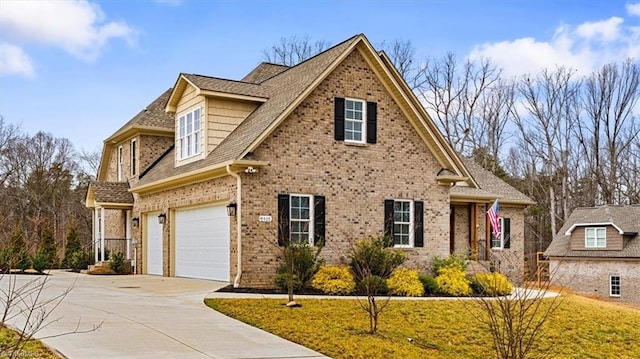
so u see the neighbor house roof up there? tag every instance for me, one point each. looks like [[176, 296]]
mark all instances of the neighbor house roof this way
[[625, 218], [263, 72], [491, 187], [108, 194]]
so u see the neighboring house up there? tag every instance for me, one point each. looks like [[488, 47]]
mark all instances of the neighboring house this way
[[212, 177], [597, 252]]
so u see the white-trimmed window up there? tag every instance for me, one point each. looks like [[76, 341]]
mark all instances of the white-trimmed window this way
[[189, 134], [354, 121], [403, 223], [134, 161], [595, 237], [301, 218], [120, 163], [498, 242], [615, 285]]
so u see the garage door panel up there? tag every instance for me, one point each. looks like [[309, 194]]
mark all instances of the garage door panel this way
[[202, 243], [154, 245]]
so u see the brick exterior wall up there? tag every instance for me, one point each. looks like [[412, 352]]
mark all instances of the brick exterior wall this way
[[462, 220], [591, 277], [151, 148], [511, 261], [304, 158]]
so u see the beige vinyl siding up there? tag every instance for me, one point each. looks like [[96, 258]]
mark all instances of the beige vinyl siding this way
[[614, 239], [223, 116]]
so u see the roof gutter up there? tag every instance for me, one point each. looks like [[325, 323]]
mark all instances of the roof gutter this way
[[236, 282]]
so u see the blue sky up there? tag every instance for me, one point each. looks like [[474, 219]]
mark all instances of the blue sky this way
[[88, 69]]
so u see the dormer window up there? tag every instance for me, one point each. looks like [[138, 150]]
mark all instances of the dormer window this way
[[595, 237], [189, 134]]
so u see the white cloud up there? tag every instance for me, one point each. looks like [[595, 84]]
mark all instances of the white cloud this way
[[584, 48], [78, 27], [14, 61], [633, 9]]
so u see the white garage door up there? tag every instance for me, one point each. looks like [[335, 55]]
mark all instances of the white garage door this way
[[202, 243], [154, 245]]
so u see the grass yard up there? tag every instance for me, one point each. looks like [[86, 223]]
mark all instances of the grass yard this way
[[579, 328], [32, 349]]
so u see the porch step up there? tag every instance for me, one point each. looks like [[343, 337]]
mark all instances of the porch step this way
[[475, 267], [99, 268]]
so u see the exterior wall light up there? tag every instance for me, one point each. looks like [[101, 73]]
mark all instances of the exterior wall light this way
[[231, 209], [162, 218], [135, 222]]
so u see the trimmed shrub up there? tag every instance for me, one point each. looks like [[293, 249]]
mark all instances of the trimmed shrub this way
[[492, 284], [334, 280], [452, 281], [117, 262], [429, 284], [374, 257], [300, 263], [457, 260], [24, 262], [405, 281], [40, 261], [373, 285], [80, 260]]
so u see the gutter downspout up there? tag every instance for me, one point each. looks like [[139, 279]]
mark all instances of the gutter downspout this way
[[236, 282]]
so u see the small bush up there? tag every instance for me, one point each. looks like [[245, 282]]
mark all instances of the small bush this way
[[492, 284], [373, 285], [457, 260], [334, 280], [40, 261], [5, 260], [80, 260], [282, 281], [374, 257], [300, 263], [452, 281], [429, 284], [117, 262], [405, 281], [24, 262]]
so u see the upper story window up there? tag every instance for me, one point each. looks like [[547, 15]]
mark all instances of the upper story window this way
[[354, 127], [189, 134], [134, 162], [120, 163], [595, 237]]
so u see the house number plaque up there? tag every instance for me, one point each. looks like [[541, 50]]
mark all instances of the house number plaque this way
[[265, 218]]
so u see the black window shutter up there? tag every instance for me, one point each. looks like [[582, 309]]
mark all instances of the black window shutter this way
[[283, 219], [507, 232], [339, 119], [318, 221], [372, 120], [388, 220], [418, 219]]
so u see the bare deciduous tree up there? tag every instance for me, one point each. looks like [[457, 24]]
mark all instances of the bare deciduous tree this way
[[293, 50]]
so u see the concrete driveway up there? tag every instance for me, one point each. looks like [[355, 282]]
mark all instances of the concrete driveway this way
[[150, 317]]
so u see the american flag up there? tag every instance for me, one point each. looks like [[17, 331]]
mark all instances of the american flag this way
[[494, 219]]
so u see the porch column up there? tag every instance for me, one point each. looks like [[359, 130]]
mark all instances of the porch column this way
[[102, 226], [127, 227], [96, 232]]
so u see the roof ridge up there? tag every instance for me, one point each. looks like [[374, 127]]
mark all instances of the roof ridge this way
[[222, 79]]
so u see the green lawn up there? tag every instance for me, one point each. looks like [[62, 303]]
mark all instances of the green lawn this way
[[32, 349], [580, 327]]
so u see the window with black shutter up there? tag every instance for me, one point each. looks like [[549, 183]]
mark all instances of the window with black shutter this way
[[404, 222], [301, 219], [355, 120]]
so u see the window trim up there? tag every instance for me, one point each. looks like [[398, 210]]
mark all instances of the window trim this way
[[120, 162], [618, 285], [134, 163], [363, 121], [411, 223], [311, 219], [501, 220], [595, 243], [191, 140]]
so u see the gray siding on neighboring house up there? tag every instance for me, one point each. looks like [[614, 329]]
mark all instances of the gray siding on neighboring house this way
[[614, 239]]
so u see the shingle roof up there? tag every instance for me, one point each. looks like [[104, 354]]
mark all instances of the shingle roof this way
[[227, 86], [490, 185], [153, 115], [626, 218], [111, 192], [263, 72], [282, 90]]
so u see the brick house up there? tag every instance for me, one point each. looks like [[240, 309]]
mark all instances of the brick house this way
[[333, 149], [597, 252]]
